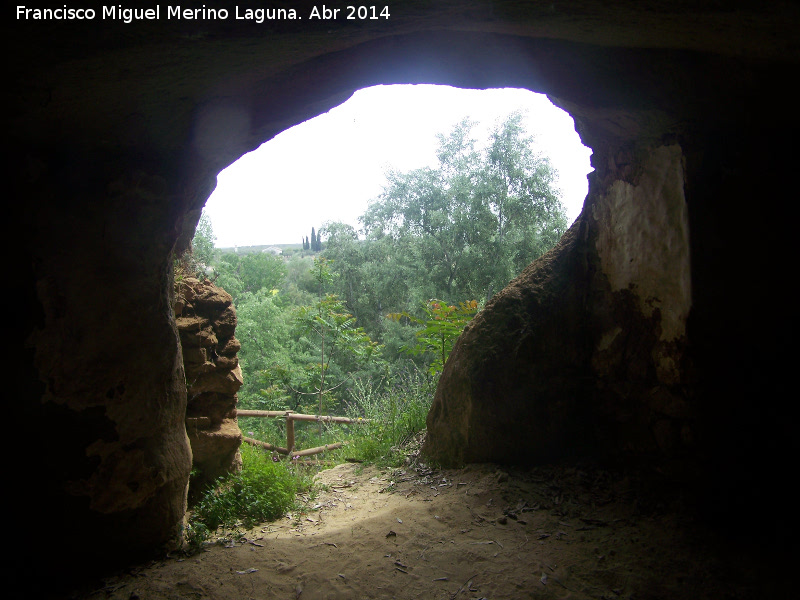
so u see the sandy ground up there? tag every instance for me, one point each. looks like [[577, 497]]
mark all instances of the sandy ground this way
[[481, 532]]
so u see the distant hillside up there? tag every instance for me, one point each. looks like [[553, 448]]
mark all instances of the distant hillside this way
[[261, 248]]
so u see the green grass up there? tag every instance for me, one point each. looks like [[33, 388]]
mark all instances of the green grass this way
[[264, 490], [395, 415]]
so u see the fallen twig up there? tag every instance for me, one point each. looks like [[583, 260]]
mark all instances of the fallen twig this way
[[467, 584]]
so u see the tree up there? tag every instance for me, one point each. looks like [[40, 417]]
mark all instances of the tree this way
[[468, 226], [203, 241], [263, 329], [442, 324], [241, 274], [372, 276], [330, 344], [345, 259], [517, 186], [318, 243]]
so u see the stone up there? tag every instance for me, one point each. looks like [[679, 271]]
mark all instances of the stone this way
[[206, 338], [225, 323], [230, 347], [212, 379], [193, 324], [519, 401], [228, 363], [215, 451], [214, 406], [193, 356], [209, 297], [227, 383]]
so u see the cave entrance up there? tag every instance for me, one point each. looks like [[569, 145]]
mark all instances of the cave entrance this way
[[329, 167], [316, 181]]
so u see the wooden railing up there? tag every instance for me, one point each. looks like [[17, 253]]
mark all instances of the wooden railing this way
[[291, 417]]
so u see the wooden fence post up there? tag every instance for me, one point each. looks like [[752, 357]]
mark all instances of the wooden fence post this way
[[289, 433]]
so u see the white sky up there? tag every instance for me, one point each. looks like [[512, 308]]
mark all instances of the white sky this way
[[330, 167]]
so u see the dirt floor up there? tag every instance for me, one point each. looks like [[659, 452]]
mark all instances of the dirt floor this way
[[480, 532]]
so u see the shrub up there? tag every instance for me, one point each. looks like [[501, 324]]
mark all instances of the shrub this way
[[264, 490]]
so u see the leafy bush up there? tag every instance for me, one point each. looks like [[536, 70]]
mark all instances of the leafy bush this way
[[442, 325], [264, 490]]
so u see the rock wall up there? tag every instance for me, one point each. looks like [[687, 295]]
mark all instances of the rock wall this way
[[620, 343], [206, 320], [641, 239], [511, 390], [593, 369]]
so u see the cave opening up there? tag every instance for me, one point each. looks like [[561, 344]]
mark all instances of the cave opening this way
[[327, 171], [335, 163]]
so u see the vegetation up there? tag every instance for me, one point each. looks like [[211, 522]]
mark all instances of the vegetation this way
[[362, 324], [442, 326], [195, 261], [262, 491], [457, 232], [396, 413]]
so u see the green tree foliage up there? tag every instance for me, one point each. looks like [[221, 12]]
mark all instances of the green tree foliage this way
[[466, 228], [329, 332], [263, 330], [315, 245], [203, 241], [442, 324], [517, 186], [331, 335], [247, 274], [313, 326]]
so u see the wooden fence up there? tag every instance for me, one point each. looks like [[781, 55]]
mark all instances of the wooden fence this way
[[291, 417]]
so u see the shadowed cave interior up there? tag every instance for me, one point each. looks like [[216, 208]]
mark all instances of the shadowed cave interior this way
[[654, 335]]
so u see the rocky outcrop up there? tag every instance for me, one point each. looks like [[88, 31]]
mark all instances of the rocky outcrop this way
[[511, 388], [584, 353], [206, 320]]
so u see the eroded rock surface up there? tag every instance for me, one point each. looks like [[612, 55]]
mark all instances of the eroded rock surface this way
[[596, 362], [206, 320]]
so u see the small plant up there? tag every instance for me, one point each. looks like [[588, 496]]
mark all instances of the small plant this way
[[442, 324], [264, 490], [195, 536]]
